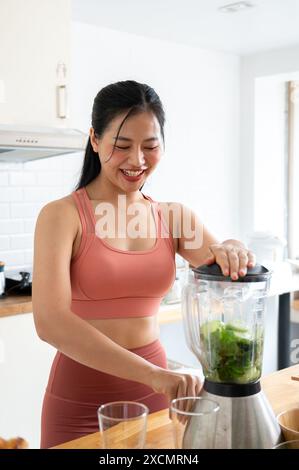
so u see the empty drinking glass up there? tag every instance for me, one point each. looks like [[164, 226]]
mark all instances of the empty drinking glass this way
[[123, 424], [194, 422]]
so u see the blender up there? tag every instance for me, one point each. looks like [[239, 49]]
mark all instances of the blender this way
[[224, 327]]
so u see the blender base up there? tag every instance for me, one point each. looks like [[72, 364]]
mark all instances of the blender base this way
[[244, 422]]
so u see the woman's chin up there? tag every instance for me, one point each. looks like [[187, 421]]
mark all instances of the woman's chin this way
[[131, 185]]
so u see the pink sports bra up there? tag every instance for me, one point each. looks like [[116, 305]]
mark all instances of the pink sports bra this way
[[108, 282]]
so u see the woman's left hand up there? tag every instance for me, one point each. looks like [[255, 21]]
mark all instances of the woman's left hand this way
[[232, 256]]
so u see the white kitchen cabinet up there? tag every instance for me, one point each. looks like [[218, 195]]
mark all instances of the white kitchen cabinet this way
[[25, 363], [34, 39]]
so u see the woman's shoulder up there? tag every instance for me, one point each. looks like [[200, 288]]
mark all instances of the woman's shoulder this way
[[60, 210]]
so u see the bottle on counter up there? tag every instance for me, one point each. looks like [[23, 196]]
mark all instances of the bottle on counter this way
[[2, 279]]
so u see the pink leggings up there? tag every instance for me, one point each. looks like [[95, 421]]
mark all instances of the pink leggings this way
[[75, 392]]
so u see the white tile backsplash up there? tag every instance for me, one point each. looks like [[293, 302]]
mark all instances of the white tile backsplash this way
[[4, 211], [10, 226], [70, 179], [25, 209], [18, 242], [55, 163], [11, 166], [3, 179], [74, 160], [29, 225], [13, 258], [4, 243], [36, 165], [10, 194], [43, 178], [24, 189], [28, 257], [22, 178], [36, 194]]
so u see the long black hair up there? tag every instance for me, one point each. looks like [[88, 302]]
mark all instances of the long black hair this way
[[110, 102]]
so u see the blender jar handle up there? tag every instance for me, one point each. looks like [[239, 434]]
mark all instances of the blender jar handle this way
[[190, 312]]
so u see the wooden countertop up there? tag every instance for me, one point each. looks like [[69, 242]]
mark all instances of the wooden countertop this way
[[17, 304], [280, 389]]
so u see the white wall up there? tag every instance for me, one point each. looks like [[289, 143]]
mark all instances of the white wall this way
[[270, 129], [276, 66], [295, 241]]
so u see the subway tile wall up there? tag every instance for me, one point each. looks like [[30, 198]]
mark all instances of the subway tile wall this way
[[24, 189]]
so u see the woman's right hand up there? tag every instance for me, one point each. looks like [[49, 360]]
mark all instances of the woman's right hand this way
[[174, 384]]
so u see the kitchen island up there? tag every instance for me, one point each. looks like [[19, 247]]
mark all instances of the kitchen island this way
[[281, 389]]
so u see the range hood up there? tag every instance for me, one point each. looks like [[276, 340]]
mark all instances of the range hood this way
[[24, 143]]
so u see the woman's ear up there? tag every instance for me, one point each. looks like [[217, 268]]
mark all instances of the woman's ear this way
[[93, 140]]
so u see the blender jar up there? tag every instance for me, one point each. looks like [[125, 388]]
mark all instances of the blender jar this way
[[224, 322]]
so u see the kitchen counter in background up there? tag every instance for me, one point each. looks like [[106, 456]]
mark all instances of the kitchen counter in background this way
[[15, 305], [281, 391]]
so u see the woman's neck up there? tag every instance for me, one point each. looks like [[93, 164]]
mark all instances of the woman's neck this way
[[102, 190]]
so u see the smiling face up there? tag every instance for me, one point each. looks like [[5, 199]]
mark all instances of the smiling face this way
[[127, 160]]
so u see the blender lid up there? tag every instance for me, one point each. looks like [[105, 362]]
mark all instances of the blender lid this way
[[213, 272]]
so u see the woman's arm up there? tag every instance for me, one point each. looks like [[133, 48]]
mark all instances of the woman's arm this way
[[55, 323], [198, 246]]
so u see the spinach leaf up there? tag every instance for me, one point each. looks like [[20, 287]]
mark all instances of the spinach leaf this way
[[231, 355]]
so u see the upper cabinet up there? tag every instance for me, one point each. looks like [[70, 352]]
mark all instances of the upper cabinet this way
[[34, 62]]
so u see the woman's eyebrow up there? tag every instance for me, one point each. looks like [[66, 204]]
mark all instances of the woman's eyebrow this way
[[130, 140]]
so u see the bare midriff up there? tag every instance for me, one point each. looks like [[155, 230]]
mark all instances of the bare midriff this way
[[129, 332], [133, 332]]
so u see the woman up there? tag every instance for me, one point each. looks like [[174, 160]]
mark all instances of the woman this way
[[97, 303]]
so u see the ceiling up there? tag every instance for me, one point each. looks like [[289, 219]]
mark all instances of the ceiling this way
[[271, 24]]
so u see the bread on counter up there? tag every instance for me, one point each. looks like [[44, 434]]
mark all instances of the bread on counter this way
[[14, 443]]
